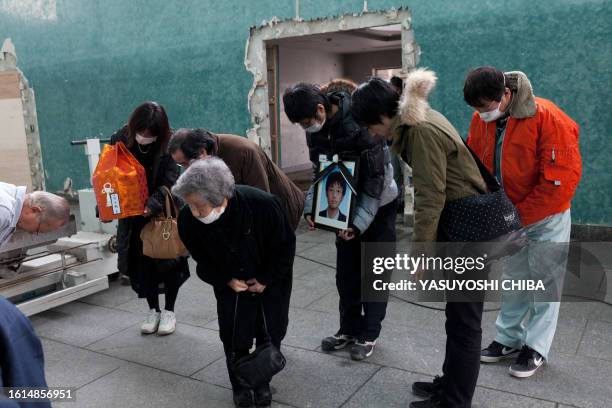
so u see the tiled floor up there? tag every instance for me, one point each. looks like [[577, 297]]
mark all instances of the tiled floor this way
[[95, 345]]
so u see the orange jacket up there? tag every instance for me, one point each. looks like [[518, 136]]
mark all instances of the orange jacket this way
[[540, 163]]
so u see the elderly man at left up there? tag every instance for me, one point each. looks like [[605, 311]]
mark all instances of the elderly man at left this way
[[21, 353], [34, 212]]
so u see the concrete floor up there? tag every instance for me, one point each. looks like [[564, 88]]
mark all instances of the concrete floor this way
[[95, 345]]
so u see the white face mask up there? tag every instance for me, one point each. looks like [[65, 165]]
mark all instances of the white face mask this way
[[495, 114], [212, 216], [145, 140], [490, 116], [315, 128]]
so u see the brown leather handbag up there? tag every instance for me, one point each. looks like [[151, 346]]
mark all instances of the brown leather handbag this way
[[160, 238]]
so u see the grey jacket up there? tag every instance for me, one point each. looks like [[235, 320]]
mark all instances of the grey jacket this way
[[343, 136]]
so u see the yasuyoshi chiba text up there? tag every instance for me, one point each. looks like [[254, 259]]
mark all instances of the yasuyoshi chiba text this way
[[469, 285]]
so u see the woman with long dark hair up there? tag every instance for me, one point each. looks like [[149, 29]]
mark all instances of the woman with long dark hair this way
[[146, 135]]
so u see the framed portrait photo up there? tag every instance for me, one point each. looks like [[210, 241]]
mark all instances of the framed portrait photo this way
[[335, 194]]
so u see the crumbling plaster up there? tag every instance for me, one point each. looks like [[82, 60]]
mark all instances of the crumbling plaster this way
[[8, 62], [255, 54]]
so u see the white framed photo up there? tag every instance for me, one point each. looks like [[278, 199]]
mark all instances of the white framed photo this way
[[334, 196]]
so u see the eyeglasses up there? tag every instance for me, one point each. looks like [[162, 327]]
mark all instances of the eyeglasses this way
[[187, 164]]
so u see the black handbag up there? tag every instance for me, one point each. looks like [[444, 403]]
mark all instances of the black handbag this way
[[257, 368], [488, 217]]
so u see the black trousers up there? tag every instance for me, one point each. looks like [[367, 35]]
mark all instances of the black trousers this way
[[171, 293], [362, 319], [249, 323], [462, 359], [463, 329]]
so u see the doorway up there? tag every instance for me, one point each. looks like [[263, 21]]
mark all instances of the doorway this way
[[280, 54], [355, 55]]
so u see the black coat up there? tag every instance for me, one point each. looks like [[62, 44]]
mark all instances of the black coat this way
[[341, 217], [147, 274], [253, 238], [343, 136]]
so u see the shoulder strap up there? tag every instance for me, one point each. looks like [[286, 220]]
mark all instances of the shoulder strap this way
[[234, 327], [492, 183], [265, 323], [171, 209], [263, 313]]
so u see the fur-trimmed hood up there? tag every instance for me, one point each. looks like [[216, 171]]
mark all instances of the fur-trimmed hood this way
[[339, 85], [413, 104], [523, 101]]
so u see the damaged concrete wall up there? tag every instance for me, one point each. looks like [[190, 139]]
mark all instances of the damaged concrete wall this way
[[91, 62], [20, 152], [359, 66], [255, 55]]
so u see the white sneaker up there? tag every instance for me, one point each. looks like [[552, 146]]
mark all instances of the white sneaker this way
[[151, 322], [167, 324]]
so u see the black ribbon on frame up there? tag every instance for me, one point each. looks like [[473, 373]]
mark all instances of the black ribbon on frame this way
[[346, 174]]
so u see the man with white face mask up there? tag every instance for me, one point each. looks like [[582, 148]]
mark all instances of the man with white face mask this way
[[531, 146], [244, 245], [324, 113]]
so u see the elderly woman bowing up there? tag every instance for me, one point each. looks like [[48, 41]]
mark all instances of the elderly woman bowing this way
[[244, 247]]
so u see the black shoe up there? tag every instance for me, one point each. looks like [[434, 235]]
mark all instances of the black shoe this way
[[243, 398], [336, 342], [263, 396], [362, 350], [427, 389], [497, 352], [527, 363], [433, 402]]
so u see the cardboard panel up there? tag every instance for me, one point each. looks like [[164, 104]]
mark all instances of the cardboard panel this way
[[9, 85], [14, 160]]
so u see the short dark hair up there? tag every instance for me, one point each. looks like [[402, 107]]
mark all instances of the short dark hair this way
[[191, 142], [335, 178], [482, 85], [301, 101], [372, 99], [397, 82], [149, 116]]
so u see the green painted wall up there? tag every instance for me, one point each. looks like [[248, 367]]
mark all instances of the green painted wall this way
[[90, 62]]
